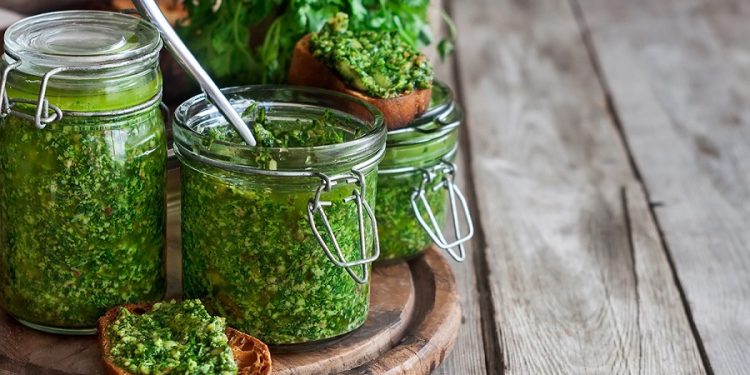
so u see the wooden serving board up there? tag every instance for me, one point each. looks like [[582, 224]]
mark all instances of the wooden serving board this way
[[413, 324]]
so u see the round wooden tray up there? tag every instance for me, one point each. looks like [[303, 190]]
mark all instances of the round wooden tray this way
[[413, 324]]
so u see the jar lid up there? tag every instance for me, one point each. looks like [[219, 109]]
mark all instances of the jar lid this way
[[442, 116], [197, 117], [81, 41]]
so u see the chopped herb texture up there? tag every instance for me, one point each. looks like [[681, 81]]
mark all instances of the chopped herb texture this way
[[401, 235], [317, 131], [424, 148], [379, 64], [81, 216], [82, 190], [171, 338], [249, 252]]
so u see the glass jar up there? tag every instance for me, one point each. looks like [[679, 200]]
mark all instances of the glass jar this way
[[416, 184], [280, 240], [82, 168]]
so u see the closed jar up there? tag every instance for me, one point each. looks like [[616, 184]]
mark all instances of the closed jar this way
[[279, 238], [416, 189], [82, 169]]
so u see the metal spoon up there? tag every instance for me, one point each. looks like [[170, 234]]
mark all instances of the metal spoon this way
[[150, 11]]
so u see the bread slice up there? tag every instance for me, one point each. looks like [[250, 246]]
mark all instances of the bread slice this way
[[251, 355], [173, 10], [306, 70]]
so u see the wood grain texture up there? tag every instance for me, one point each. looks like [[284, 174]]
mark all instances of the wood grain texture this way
[[429, 341], [679, 76], [392, 311], [468, 355], [664, 335], [553, 179]]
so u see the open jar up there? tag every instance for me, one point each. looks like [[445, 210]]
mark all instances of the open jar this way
[[416, 188], [82, 168], [279, 238]]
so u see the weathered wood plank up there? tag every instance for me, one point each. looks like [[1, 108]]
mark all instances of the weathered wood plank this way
[[468, 356], [428, 341], [664, 335], [576, 286], [679, 75]]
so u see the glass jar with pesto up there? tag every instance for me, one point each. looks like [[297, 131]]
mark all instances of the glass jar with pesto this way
[[82, 168], [416, 184], [279, 238]]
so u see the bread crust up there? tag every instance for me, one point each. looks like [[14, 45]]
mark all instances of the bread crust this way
[[173, 10], [251, 355], [306, 70]]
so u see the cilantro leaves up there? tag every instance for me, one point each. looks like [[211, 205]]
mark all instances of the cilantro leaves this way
[[251, 41]]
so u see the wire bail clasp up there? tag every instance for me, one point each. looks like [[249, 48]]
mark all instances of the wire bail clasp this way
[[5, 106], [316, 206], [456, 248], [42, 104], [42, 117]]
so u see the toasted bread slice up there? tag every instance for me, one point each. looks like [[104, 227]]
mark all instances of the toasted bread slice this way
[[251, 355], [306, 70], [173, 10]]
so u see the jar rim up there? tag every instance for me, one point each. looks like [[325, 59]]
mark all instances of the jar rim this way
[[81, 41], [442, 116], [442, 97], [236, 156]]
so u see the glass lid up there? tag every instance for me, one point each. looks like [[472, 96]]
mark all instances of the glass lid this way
[[81, 40]]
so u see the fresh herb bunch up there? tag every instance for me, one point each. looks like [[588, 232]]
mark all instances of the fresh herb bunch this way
[[220, 32]]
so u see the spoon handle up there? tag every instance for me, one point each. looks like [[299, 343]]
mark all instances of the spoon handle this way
[[150, 11]]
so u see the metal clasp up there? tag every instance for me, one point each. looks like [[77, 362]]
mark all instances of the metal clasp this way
[[5, 106], [456, 248], [43, 116], [315, 206]]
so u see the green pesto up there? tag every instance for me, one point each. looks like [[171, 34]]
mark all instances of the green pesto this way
[[378, 63], [401, 235], [81, 216], [250, 254], [325, 130], [172, 338], [123, 92]]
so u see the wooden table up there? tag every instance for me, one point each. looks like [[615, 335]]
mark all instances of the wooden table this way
[[606, 151]]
